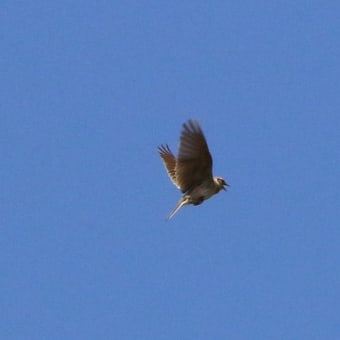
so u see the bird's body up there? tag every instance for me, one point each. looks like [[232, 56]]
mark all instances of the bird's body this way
[[191, 171]]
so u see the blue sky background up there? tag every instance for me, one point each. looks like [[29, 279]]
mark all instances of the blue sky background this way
[[88, 92]]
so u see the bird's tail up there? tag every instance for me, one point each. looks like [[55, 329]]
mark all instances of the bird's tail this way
[[181, 202]]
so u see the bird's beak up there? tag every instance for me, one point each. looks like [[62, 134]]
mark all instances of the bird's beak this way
[[224, 186]]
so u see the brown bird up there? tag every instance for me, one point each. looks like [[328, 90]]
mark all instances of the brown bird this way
[[191, 171]]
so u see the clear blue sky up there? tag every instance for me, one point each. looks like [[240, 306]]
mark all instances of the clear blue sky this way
[[89, 90]]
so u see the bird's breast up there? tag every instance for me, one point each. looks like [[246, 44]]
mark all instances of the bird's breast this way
[[204, 190]]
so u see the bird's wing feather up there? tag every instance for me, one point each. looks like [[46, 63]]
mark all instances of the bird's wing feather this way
[[169, 161], [194, 162]]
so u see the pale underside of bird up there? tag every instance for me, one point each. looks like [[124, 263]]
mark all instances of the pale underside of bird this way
[[191, 171]]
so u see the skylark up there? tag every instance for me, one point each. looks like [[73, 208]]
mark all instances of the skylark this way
[[191, 171]]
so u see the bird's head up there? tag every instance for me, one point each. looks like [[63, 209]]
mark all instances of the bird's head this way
[[222, 184]]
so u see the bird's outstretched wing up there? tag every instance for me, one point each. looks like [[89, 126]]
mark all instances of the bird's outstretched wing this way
[[169, 161], [194, 162]]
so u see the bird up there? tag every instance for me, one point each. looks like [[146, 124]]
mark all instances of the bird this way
[[191, 171]]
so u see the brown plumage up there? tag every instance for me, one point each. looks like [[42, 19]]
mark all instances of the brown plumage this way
[[191, 171]]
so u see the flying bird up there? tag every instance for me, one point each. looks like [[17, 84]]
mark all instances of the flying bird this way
[[191, 171]]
